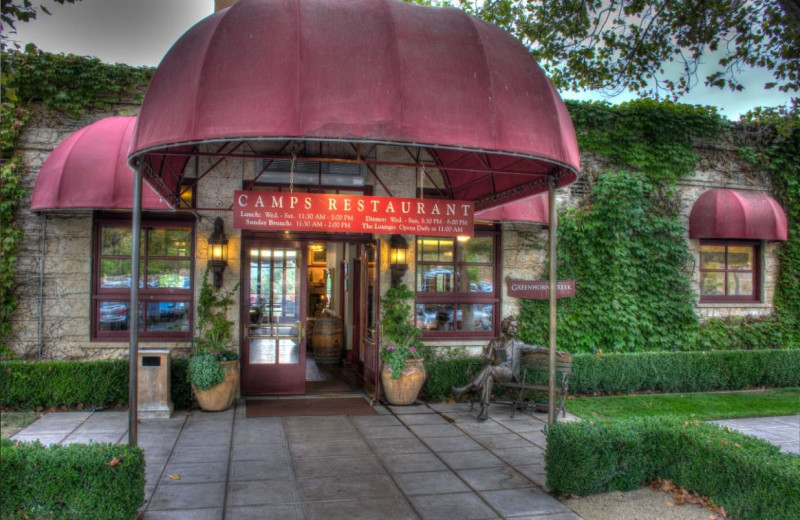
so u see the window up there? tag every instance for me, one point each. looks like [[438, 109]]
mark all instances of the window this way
[[165, 280], [456, 283], [729, 271]]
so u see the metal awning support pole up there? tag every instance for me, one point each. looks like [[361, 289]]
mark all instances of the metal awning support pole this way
[[551, 384], [133, 322]]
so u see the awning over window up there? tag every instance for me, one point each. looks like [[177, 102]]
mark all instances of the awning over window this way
[[87, 170], [731, 214], [533, 209]]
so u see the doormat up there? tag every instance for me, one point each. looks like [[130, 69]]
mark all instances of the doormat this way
[[311, 407], [321, 387]]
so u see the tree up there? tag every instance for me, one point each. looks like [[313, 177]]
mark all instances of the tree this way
[[652, 47]]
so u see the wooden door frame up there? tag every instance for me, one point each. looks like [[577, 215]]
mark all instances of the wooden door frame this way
[[244, 306]]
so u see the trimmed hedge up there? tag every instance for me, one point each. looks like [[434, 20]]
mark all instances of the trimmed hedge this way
[[674, 372], [650, 371], [747, 476], [77, 481], [26, 385]]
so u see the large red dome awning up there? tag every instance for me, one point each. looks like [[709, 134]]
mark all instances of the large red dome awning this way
[[362, 71], [730, 214], [87, 170]]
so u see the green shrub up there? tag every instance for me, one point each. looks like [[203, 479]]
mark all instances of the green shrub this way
[[649, 371], [747, 334], [747, 476], [684, 371], [445, 373], [181, 387], [77, 481], [205, 371], [26, 385]]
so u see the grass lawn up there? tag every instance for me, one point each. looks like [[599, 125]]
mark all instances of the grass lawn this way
[[701, 406], [12, 422]]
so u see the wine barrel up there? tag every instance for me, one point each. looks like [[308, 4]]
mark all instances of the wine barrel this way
[[327, 341]]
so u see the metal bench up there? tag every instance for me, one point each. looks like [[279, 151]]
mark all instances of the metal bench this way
[[532, 366]]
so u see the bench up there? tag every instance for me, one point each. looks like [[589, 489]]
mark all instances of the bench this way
[[532, 367]]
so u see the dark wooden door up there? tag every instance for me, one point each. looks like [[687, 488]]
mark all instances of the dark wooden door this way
[[273, 318]]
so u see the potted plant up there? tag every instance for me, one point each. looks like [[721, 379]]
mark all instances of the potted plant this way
[[403, 370], [214, 367]]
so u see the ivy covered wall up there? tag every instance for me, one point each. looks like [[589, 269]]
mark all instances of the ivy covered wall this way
[[624, 241], [627, 248]]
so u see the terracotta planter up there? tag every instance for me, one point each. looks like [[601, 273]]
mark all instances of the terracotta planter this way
[[405, 389], [220, 397]]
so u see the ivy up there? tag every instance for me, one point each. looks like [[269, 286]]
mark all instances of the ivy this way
[[69, 84], [632, 289], [654, 137]]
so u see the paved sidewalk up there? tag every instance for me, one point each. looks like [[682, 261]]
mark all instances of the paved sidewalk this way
[[430, 462], [782, 431]]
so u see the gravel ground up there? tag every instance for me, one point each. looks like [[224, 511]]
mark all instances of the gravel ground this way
[[642, 504]]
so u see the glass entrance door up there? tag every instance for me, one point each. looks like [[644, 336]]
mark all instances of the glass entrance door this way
[[273, 346]]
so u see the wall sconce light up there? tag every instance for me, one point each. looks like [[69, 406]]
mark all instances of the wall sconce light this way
[[218, 252], [398, 249]]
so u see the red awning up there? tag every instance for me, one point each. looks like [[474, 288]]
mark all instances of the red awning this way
[[731, 214], [533, 209], [363, 71], [87, 170]]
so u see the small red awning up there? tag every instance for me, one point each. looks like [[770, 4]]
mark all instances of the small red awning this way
[[533, 209], [87, 170], [731, 214]]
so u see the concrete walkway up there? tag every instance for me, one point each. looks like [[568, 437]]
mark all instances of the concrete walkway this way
[[430, 462], [781, 431]]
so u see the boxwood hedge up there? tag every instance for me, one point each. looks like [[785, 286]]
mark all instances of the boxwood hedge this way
[[747, 476], [76, 481], [651, 371], [26, 385]]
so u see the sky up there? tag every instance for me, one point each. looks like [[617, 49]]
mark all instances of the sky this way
[[140, 32]]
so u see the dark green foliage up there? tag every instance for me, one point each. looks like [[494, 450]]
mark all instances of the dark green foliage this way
[[684, 371], [181, 388], [783, 163], [77, 481], [443, 374], [632, 290], [653, 137], [648, 371], [747, 334], [26, 385], [747, 476]]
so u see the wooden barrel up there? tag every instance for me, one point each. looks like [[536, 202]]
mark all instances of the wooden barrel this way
[[327, 341]]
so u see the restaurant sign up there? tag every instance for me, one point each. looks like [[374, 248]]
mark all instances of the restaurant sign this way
[[540, 289], [283, 211]]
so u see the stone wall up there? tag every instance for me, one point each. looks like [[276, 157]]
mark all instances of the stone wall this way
[[54, 268]]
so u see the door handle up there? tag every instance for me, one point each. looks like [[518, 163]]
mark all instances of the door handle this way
[[301, 332]]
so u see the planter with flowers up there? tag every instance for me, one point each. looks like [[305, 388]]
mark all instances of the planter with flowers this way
[[403, 370], [214, 367]]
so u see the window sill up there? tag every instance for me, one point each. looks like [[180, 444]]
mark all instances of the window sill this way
[[724, 305]]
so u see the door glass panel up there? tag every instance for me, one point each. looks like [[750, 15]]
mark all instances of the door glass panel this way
[[712, 257], [274, 300]]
